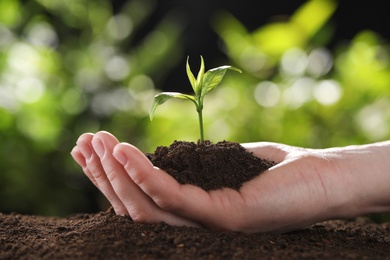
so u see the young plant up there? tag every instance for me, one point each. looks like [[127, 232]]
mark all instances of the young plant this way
[[202, 84]]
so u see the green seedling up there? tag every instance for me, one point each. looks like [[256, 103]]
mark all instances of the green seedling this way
[[202, 84]]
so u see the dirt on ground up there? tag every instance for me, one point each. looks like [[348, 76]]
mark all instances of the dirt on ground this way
[[107, 236]]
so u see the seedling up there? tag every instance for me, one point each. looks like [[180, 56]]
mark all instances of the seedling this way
[[202, 85]]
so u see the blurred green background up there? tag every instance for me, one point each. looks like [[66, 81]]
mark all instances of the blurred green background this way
[[69, 67]]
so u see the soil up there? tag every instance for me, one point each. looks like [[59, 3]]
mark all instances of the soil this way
[[105, 235], [207, 165]]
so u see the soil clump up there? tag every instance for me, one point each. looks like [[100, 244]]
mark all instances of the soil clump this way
[[208, 165]]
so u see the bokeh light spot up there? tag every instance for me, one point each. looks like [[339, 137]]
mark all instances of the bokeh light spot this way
[[29, 90], [320, 62], [299, 92], [117, 68], [294, 62], [327, 92], [42, 34], [267, 94], [119, 26]]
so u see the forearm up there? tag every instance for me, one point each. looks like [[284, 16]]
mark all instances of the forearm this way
[[364, 178]]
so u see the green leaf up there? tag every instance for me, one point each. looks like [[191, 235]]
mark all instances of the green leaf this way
[[165, 96], [213, 77], [190, 75], [199, 78]]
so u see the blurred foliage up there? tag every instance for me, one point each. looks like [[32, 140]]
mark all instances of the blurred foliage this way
[[293, 91], [68, 67]]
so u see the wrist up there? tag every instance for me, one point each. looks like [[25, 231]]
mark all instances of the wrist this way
[[361, 179]]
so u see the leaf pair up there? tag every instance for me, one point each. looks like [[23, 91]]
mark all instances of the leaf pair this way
[[196, 83], [202, 84]]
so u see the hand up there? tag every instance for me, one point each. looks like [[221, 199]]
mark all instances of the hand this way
[[306, 186], [287, 196], [94, 153]]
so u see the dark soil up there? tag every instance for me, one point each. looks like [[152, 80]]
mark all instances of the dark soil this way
[[108, 236], [207, 165]]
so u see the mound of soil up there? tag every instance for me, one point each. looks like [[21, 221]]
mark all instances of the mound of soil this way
[[207, 165], [108, 236]]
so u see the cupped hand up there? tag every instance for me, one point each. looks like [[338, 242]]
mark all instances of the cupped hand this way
[[288, 196]]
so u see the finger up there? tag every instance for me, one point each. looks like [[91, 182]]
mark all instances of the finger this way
[[79, 158], [95, 172], [138, 204], [80, 155], [188, 201]]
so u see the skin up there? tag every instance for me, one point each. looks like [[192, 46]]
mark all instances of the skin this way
[[305, 187]]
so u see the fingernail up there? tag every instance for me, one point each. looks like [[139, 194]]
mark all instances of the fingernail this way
[[120, 157], [86, 151], [98, 147]]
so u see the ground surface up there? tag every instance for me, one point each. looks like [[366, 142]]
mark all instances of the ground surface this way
[[107, 236]]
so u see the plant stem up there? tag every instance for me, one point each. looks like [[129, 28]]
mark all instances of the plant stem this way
[[201, 125], [199, 108]]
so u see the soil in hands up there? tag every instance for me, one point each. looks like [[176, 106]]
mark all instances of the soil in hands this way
[[208, 165]]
